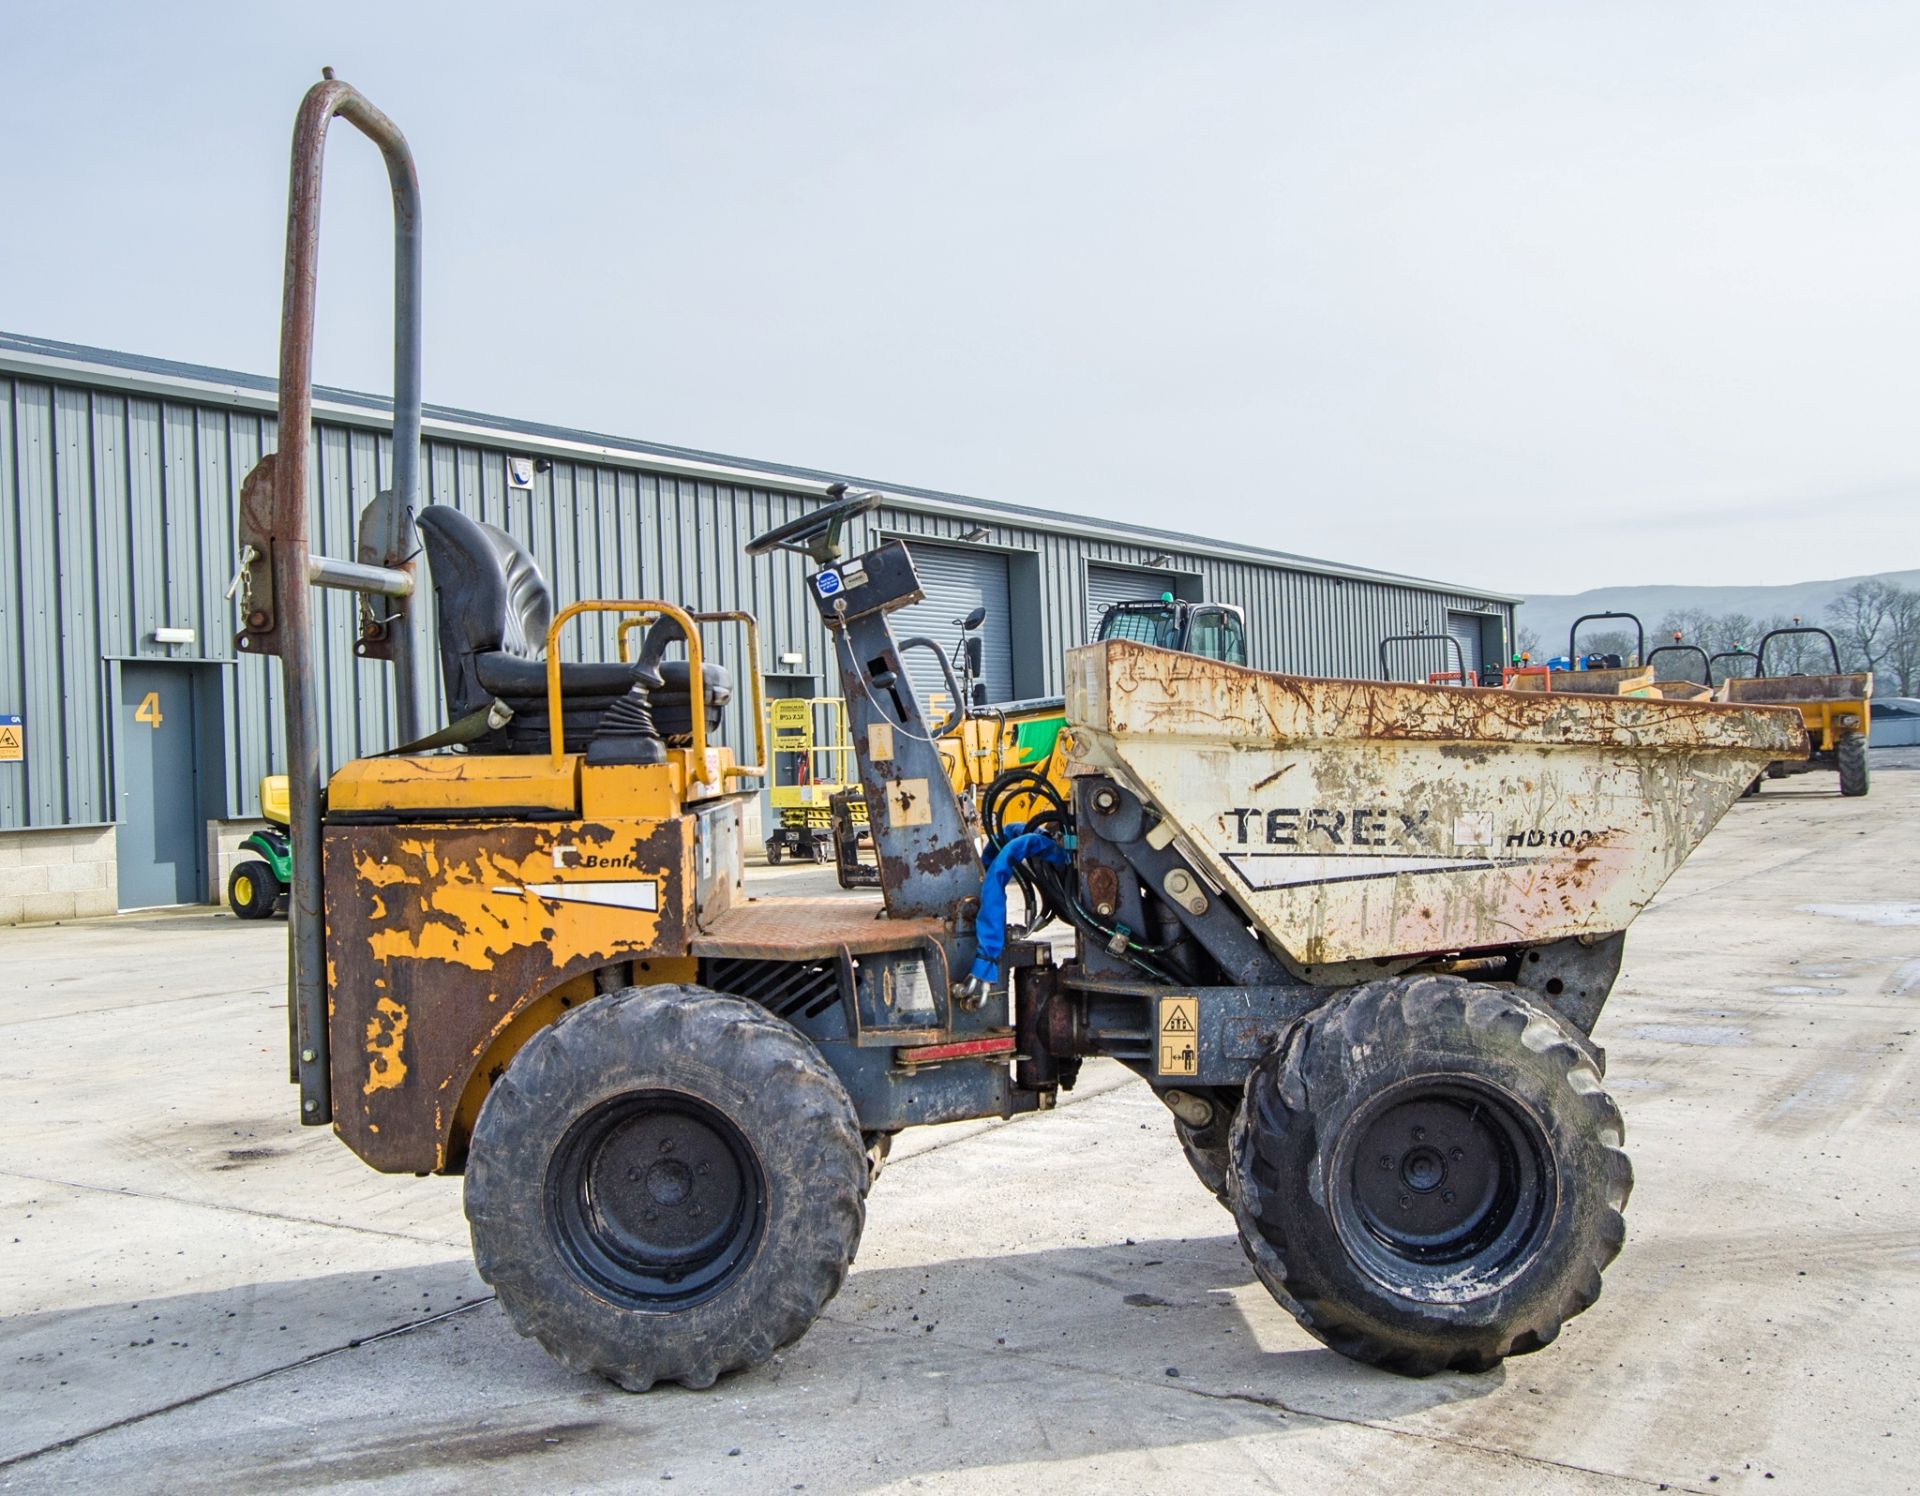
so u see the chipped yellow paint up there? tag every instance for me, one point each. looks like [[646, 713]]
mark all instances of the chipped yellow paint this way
[[472, 911], [481, 931], [386, 1041], [377, 874]]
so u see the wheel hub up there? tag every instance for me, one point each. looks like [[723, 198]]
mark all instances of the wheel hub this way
[[657, 1198], [1422, 1170], [1444, 1184]]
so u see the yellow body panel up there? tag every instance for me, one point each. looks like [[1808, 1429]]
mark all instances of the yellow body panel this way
[[1831, 706], [1828, 721], [620, 790], [463, 785], [439, 935], [462, 782]]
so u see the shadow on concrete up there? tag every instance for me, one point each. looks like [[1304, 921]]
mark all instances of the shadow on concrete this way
[[965, 1364]]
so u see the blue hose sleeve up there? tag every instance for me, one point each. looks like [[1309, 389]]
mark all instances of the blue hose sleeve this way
[[990, 927]]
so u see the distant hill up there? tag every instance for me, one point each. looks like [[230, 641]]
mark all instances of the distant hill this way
[[1550, 615]]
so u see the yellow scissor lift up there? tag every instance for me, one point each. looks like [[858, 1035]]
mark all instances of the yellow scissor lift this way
[[812, 762]]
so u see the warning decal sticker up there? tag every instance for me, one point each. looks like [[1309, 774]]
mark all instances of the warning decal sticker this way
[[1179, 1036], [12, 740]]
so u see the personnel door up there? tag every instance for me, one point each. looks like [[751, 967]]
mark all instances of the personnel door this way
[[162, 835]]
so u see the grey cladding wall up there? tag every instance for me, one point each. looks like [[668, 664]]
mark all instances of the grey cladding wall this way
[[117, 517]]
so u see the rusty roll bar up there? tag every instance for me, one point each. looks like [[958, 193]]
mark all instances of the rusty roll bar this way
[[295, 569]]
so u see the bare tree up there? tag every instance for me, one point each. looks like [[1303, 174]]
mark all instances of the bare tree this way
[[1690, 626], [1864, 623], [1903, 650], [1609, 642], [1875, 626], [1527, 642]]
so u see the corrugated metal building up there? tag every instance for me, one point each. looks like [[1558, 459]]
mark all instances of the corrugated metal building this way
[[119, 480]]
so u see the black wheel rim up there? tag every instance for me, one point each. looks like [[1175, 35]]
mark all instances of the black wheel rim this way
[[656, 1199], [1443, 1187]]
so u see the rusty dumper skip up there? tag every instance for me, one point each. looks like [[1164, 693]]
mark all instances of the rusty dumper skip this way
[[1355, 936]]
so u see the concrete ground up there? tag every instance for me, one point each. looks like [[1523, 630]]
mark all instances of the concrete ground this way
[[196, 1293]]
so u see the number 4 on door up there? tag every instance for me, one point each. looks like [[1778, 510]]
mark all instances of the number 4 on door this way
[[149, 710]]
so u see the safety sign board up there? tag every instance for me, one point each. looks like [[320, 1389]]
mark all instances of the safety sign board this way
[[13, 740], [1179, 1036]]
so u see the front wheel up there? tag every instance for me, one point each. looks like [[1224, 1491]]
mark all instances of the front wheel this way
[[666, 1185], [252, 890], [1851, 751], [1428, 1175]]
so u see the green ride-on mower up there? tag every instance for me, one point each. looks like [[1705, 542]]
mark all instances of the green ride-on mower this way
[[257, 888]]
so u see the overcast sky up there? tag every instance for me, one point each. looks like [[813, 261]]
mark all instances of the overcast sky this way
[[1537, 298]]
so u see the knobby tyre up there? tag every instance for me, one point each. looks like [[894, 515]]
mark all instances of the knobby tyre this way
[[668, 1184], [1428, 1174], [1851, 751]]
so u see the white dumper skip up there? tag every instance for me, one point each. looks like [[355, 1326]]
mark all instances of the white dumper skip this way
[[1360, 821]]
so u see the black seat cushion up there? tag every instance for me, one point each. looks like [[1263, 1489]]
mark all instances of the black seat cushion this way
[[494, 608]]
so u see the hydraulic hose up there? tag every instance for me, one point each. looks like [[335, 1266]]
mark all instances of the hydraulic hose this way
[[990, 925]]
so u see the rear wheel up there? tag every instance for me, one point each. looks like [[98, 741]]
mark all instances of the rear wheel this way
[[1428, 1175], [774, 852], [1851, 751], [252, 890], [666, 1185]]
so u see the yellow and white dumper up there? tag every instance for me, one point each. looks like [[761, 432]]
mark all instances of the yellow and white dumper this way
[[1354, 935]]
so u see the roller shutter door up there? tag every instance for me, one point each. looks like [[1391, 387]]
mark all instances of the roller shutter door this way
[[1107, 585], [1466, 628], [957, 579]]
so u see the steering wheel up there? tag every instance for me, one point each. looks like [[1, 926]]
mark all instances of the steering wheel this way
[[817, 535]]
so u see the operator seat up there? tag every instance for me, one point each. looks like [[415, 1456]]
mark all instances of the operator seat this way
[[494, 607]]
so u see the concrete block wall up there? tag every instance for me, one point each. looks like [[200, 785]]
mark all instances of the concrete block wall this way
[[67, 873], [223, 851]]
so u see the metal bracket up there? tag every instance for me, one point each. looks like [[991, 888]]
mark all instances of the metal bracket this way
[[253, 582], [878, 995], [1574, 978], [1116, 814], [382, 615]]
